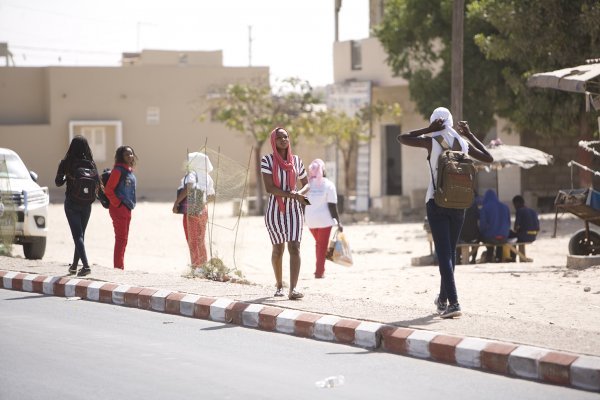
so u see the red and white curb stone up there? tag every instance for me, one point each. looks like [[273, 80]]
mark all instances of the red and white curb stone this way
[[521, 361]]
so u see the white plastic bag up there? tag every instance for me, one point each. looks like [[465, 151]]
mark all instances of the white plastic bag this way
[[339, 250]]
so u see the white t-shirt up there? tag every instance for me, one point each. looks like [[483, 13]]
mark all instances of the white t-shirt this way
[[203, 182], [317, 214]]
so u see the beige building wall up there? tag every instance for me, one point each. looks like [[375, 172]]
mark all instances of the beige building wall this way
[[158, 107], [389, 89], [181, 58], [373, 65]]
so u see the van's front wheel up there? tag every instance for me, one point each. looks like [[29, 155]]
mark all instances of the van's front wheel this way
[[35, 249]]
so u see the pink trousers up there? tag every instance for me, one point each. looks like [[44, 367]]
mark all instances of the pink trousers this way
[[194, 227]]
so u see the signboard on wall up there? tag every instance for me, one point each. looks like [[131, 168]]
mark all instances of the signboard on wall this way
[[152, 116], [350, 97]]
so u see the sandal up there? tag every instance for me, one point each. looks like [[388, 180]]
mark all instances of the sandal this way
[[279, 292], [295, 295]]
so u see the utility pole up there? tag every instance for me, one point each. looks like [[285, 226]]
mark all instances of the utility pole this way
[[456, 94], [249, 45], [338, 6]]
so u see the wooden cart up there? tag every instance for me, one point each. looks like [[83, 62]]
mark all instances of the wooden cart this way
[[580, 202]]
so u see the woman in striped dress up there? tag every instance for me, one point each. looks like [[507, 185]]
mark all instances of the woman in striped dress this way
[[284, 216]]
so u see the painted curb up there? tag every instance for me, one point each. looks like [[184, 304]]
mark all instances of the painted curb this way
[[520, 361]]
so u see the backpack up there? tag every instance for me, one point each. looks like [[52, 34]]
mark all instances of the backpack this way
[[84, 183], [104, 178], [455, 186]]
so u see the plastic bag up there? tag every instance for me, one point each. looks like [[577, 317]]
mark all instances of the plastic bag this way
[[339, 250]]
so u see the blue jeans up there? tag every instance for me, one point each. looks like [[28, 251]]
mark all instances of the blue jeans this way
[[78, 217], [445, 224]]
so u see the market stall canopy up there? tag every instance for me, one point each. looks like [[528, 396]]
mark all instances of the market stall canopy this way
[[580, 79], [506, 155]]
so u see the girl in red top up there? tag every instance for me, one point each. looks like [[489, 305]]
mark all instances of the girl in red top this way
[[120, 190]]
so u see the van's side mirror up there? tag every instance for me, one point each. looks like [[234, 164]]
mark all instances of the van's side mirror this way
[[33, 175]]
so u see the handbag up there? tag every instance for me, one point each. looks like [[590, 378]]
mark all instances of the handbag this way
[[338, 250], [193, 203], [182, 207]]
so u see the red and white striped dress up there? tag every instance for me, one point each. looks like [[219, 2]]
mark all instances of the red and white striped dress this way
[[284, 226]]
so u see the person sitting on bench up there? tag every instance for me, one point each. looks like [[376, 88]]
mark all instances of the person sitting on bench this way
[[527, 224], [494, 224]]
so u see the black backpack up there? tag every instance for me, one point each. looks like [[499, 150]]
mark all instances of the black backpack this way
[[104, 177], [84, 183]]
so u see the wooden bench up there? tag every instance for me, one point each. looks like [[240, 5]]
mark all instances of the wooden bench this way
[[467, 250]]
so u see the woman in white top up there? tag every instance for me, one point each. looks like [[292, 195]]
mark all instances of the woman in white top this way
[[322, 213], [445, 223], [198, 190]]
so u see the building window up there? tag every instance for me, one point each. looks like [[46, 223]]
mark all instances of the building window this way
[[96, 137], [356, 55], [393, 157], [152, 116]]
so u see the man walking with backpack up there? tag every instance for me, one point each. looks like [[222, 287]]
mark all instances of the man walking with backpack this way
[[79, 171], [445, 213]]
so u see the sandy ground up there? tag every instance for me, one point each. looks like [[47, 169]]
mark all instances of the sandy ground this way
[[541, 303]]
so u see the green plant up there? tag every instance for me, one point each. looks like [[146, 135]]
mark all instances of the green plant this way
[[216, 270]]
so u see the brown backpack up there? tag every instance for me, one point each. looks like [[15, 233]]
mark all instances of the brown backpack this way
[[455, 184]]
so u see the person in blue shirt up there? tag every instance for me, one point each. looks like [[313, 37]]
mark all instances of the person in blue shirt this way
[[527, 224], [494, 224]]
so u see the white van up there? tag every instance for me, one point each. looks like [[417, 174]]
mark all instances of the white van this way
[[23, 206]]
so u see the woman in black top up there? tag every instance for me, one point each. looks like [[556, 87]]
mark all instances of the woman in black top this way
[[79, 171]]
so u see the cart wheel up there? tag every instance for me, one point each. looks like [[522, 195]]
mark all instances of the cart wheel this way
[[580, 246]]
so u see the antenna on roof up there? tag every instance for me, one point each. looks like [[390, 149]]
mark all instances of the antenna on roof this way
[[4, 52], [249, 45]]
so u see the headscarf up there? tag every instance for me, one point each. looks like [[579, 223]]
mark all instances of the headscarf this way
[[448, 133], [200, 164], [287, 165], [315, 171]]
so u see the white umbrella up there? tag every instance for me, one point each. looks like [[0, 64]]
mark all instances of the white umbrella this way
[[581, 79], [578, 79], [525, 157]]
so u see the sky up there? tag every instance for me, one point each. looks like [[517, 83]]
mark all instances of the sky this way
[[294, 38]]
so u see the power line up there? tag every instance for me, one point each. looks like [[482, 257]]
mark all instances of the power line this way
[[56, 50]]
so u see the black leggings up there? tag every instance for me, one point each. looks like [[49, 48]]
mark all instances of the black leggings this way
[[78, 217]]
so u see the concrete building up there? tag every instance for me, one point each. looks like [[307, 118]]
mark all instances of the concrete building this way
[[394, 178], [152, 102]]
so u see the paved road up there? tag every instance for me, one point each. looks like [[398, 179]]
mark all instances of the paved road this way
[[70, 349]]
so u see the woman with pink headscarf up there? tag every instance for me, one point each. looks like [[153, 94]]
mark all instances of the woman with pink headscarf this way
[[322, 213], [281, 171]]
